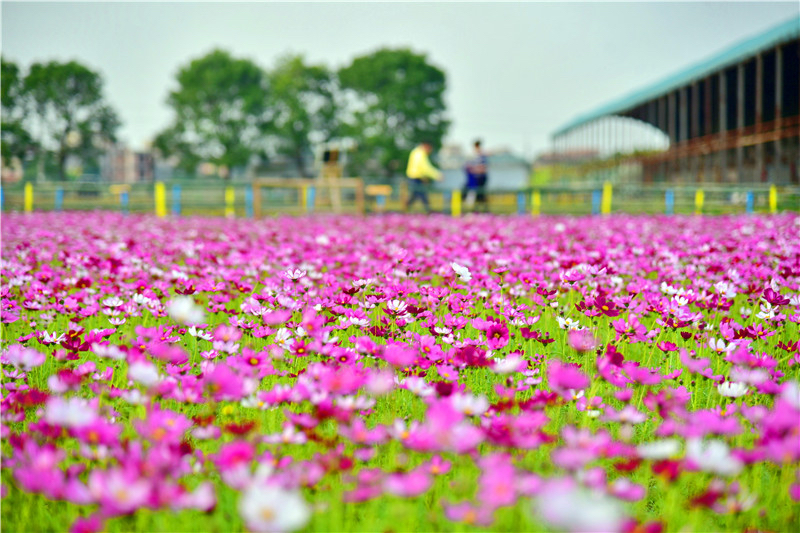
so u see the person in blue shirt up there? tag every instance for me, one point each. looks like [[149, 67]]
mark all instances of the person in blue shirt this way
[[477, 176]]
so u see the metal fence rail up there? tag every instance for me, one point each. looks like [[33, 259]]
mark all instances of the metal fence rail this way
[[272, 196]]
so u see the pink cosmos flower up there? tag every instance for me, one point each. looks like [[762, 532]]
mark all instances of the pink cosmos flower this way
[[497, 484], [562, 377], [469, 514], [409, 484], [90, 524], [163, 425], [581, 340], [119, 491], [21, 357]]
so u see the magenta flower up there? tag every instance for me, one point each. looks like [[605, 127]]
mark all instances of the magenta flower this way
[[409, 484], [581, 340], [496, 335], [562, 377]]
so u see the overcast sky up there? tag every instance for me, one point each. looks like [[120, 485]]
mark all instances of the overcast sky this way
[[515, 71]]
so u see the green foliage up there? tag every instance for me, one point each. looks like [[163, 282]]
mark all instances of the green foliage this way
[[303, 98], [68, 101], [15, 139], [221, 110], [398, 102]]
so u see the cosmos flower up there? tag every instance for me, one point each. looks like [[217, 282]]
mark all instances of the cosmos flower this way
[[269, 508], [712, 456], [182, 309], [462, 272], [732, 389]]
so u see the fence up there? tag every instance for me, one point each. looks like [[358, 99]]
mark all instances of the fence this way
[[271, 196]]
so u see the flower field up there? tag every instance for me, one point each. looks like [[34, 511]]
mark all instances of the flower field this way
[[400, 373]]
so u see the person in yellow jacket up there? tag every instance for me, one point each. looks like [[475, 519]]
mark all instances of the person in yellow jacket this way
[[420, 173]]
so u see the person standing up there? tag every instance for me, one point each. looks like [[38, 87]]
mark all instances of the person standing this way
[[421, 173], [477, 177]]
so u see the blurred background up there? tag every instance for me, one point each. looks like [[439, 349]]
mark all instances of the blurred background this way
[[277, 101]]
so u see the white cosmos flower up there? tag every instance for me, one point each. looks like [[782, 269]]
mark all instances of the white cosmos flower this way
[[199, 333], [397, 307], [660, 449], [568, 508], [791, 394], [567, 323], [767, 312], [51, 338], [113, 301], [295, 274], [462, 272], [183, 309], [507, 365], [732, 389], [269, 508], [111, 351], [713, 456], [144, 373], [470, 405], [69, 412], [719, 346]]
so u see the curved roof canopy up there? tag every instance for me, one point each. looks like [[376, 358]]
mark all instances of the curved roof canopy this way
[[786, 31]]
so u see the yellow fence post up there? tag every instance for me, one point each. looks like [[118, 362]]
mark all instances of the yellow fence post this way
[[161, 199], [455, 203], [304, 198], [28, 197], [773, 199], [230, 200], [605, 202], [699, 198], [536, 203]]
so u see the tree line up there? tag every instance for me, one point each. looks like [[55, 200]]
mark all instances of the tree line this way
[[231, 112]]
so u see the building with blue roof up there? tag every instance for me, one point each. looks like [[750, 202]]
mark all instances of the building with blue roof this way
[[732, 118]]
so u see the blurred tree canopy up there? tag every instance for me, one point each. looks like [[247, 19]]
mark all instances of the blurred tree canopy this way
[[222, 113], [232, 113], [398, 102], [304, 101], [15, 140], [71, 114]]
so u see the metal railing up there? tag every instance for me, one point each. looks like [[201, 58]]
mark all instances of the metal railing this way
[[271, 196]]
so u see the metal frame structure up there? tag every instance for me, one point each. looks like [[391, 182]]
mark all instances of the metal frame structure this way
[[734, 118]]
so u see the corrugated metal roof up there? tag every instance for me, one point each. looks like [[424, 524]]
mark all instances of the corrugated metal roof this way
[[786, 31]]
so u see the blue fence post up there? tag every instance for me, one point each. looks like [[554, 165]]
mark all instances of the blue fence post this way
[[311, 199], [176, 199], [597, 197], [380, 201], [521, 210], [669, 202], [59, 202], [123, 201], [248, 202], [2, 199], [749, 203]]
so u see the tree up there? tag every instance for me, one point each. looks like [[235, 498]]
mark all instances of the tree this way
[[221, 113], [398, 103], [15, 140], [303, 98], [74, 118]]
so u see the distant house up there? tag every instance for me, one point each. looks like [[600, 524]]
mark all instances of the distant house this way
[[120, 164], [507, 171]]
